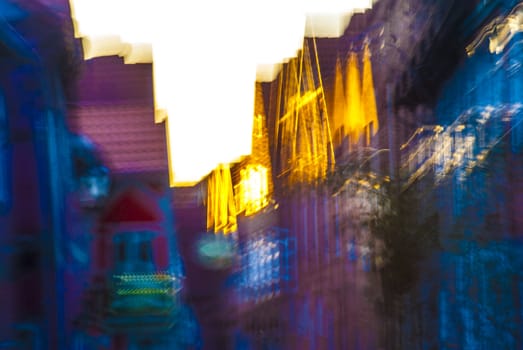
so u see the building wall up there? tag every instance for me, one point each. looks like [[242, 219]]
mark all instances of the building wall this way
[[38, 173], [114, 107], [481, 265]]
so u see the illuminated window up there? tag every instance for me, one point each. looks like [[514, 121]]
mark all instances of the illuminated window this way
[[267, 265], [261, 275], [253, 190]]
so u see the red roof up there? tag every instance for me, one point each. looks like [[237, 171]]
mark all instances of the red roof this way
[[132, 206]]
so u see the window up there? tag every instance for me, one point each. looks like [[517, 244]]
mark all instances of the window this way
[[268, 261], [252, 193], [145, 252], [121, 251]]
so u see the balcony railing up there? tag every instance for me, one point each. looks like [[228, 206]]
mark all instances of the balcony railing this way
[[144, 293]]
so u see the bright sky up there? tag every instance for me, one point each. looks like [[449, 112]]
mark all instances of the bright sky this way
[[207, 56]]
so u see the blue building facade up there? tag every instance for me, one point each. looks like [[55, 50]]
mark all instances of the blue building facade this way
[[36, 170], [474, 157]]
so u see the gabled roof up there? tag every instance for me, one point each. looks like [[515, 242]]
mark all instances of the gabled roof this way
[[133, 205], [114, 107]]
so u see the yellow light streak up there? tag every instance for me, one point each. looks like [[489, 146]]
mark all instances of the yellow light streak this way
[[500, 31], [303, 130], [368, 97], [339, 108], [221, 211]]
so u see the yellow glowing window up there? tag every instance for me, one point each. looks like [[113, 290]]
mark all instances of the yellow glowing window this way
[[253, 190]]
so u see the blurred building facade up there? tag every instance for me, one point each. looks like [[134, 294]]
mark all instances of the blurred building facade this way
[[379, 209], [457, 165], [38, 68], [130, 296], [448, 117]]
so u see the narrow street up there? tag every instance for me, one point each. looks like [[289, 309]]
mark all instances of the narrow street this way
[[261, 175]]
